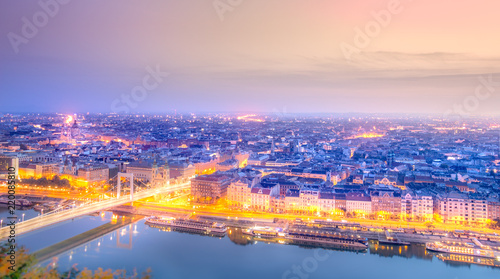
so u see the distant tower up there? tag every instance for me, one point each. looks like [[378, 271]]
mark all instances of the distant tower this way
[[74, 130], [272, 147], [293, 145], [390, 158], [329, 176]]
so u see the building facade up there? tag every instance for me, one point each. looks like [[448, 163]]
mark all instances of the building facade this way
[[94, 174], [460, 209], [417, 206], [210, 188]]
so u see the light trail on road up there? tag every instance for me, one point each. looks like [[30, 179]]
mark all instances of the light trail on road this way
[[60, 216]]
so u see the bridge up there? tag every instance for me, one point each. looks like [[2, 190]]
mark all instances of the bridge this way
[[64, 215]]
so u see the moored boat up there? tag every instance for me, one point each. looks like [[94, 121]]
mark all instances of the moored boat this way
[[391, 239], [464, 259], [208, 227], [475, 248], [264, 232], [312, 237]]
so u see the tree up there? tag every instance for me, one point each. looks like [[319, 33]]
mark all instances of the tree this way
[[429, 225], [43, 181], [22, 261], [437, 218], [394, 216], [494, 224]]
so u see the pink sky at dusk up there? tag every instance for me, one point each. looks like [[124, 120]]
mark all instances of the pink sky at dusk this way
[[264, 55]]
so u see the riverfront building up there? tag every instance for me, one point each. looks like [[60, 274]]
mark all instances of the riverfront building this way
[[94, 174], [210, 188], [461, 209], [417, 205]]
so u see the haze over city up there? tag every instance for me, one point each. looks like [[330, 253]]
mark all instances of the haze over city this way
[[253, 56], [249, 139]]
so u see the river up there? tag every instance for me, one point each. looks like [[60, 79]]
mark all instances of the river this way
[[184, 255]]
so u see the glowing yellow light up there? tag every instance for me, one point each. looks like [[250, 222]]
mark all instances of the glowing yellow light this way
[[248, 117], [369, 135]]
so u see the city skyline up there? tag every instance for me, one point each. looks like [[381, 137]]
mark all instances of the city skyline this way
[[250, 56], [249, 139]]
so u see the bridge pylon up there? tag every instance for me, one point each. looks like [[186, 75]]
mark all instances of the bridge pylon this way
[[130, 176]]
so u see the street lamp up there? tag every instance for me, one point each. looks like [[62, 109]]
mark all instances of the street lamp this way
[[1, 223], [23, 217]]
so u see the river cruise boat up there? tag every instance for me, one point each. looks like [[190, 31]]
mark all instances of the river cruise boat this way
[[313, 237], [264, 232], [208, 227], [475, 248], [463, 259], [391, 239]]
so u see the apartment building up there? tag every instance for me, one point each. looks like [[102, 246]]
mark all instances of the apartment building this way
[[94, 174], [261, 196], [461, 208], [417, 205], [386, 201], [210, 188], [359, 203]]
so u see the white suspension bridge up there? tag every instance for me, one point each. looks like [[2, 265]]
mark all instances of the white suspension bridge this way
[[58, 216]]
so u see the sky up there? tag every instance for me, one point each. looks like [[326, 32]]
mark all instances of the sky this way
[[283, 56]]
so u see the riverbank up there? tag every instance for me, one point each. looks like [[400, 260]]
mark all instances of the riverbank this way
[[235, 219], [383, 224]]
